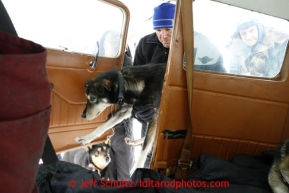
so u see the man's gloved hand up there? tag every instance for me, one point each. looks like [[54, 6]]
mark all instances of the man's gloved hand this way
[[143, 114]]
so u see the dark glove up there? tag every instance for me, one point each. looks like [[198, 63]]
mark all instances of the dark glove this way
[[143, 114]]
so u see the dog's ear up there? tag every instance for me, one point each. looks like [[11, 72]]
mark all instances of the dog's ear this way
[[106, 84], [87, 83], [88, 148]]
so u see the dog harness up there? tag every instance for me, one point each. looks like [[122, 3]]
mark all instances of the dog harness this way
[[120, 89], [96, 169]]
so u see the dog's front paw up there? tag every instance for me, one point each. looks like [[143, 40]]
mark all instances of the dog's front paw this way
[[128, 141], [82, 140]]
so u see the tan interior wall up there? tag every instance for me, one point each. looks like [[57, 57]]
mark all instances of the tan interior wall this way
[[68, 72], [230, 114]]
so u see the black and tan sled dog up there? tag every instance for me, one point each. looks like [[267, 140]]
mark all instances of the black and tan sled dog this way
[[92, 157], [132, 86], [279, 172]]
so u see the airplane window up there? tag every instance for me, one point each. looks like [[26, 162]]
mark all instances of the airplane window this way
[[237, 41], [70, 25]]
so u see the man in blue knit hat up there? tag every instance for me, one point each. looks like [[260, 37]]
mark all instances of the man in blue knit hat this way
[[154, 48]]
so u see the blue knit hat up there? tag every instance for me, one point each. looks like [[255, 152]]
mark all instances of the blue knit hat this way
[[164, 16], [249, 21]]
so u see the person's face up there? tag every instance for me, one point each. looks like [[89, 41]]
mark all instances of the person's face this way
[[164, 36], [110, 49], [249, 35]]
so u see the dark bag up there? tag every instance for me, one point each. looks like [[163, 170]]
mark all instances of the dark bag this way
[[24, 112], [241, 175], [60, 177]]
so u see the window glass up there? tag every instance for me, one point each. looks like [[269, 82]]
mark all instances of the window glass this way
[[237, 41], [72, 25]]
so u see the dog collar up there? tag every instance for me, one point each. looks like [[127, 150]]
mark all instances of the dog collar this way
[[96, 169], [120, 89]]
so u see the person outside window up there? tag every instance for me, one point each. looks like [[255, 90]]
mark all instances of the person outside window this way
[[109, 46], [256, 50]]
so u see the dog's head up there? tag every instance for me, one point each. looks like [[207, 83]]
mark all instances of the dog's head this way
[[284, 159], [278, 177], [99, 155], [99, 94]]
